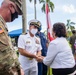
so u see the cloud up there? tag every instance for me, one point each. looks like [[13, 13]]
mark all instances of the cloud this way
[[73, 19], [31, 5], [69, 9]]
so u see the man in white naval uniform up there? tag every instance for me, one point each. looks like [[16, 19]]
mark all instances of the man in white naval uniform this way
[[29, 47]]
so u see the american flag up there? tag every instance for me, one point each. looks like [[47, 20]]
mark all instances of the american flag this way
[[49, 26], [1, 30]]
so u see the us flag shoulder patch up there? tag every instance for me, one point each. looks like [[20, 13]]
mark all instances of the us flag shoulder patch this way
[[1, 30]]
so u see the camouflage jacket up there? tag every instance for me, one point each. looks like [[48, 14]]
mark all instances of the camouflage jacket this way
[[8, 57]]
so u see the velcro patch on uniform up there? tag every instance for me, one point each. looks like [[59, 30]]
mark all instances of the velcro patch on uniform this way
[[1, 30], [27, 41]]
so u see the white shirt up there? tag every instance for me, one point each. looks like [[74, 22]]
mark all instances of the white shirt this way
[[30, 44], [59, 54]]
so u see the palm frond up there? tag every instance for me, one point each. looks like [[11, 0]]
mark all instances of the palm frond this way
[[72, 23], [68, 20], [43, 8], [41, 1], [30, 0], [51, 5], [47, 1]]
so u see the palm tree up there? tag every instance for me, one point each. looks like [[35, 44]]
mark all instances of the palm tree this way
[[70, 24], [69, 27], [50, 4]]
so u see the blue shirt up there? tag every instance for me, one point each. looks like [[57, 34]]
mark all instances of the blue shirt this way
[[43, 43]]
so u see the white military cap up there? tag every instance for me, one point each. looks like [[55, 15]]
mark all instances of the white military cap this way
[[35, 22]]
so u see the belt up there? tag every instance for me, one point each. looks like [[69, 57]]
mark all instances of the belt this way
[[64, 71], [73, 73]]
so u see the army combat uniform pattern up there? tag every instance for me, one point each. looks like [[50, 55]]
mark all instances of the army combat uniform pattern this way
[[9, 64]]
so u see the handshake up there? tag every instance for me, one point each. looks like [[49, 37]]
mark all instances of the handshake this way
[[39, 58]]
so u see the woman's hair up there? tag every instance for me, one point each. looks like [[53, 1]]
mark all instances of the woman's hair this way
[[59, 29]]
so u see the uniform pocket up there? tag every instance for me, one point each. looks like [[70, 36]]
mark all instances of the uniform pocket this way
[[3, 42], [28, 45]]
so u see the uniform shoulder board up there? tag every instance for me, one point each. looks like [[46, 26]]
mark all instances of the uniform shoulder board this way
[[37, 36], [23, 33]]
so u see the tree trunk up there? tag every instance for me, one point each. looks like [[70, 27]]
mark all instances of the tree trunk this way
[[24, 20], [35, 9]]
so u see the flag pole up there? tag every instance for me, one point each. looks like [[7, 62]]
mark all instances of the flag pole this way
[[46, 19], [49, 37]]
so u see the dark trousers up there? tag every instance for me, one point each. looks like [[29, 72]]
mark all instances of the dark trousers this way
[[64, 71], [42, 69]]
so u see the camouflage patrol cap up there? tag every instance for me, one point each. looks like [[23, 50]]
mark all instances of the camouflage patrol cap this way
[[19, 5], [35, 23]]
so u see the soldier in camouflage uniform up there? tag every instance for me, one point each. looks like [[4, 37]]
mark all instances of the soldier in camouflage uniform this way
[[9, 11]]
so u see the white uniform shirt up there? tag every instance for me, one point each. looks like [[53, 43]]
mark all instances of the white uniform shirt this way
[[59, 54], [30, 44]]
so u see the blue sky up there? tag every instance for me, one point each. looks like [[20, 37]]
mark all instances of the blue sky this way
[[64, 9]]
